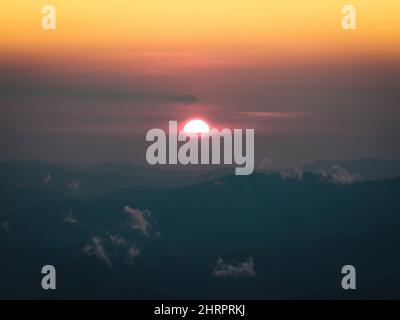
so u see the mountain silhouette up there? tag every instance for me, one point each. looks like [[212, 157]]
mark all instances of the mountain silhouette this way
[[157, 242]]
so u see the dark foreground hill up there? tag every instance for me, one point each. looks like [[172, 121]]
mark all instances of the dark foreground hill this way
[[258, 236]]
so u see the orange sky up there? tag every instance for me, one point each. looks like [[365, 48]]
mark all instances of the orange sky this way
[[116, 68], [235, 28]]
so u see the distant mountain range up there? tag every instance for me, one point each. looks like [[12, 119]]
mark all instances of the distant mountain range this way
[[272, 235], [86, 181], [107, 176]]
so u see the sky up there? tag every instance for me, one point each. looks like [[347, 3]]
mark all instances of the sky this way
[[90, 90]]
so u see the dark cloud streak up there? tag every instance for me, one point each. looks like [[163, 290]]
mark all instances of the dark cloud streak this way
[[88, 93]]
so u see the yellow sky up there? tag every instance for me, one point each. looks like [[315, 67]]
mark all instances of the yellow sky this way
[[257, 26]]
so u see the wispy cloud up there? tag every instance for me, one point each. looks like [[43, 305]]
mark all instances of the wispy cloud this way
[[139, 219], [117, 240], [270, 114], [47, 178], [74, 185], [5, 227], [340, 176], [234, 269], [89, 92], [69, 217], [295, 173], [217, 183], [19, 184], [132, 253], [96, 248]]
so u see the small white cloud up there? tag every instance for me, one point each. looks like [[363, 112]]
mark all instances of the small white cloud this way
[[234, 269], [133, 252], [96, 248], [5, 227], [340, 176], [20, 185], [140, 219], [47, 178], [69, 217], [295, 173], [74, 185], [217, 183], [117, 240]]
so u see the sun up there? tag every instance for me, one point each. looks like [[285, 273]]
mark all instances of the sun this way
[[196, 126]]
